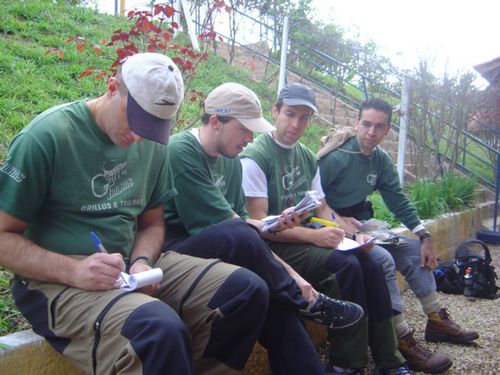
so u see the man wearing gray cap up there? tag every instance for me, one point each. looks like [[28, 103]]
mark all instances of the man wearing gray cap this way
[[277, 171], [99, 166], [208, 219]]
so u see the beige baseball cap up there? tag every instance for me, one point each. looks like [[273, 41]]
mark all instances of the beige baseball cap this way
[[235, 100], [155, 93]]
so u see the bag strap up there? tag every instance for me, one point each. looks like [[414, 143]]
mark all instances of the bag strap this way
[[463, 250]]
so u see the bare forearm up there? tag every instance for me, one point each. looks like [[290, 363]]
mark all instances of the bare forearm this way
[[150, 234], [25, 258], [149, 242], [293, 235]]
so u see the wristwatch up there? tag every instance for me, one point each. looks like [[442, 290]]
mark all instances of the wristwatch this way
[[425, 235]]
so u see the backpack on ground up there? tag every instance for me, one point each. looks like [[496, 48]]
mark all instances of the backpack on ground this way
[[448, 278], [483, 273]]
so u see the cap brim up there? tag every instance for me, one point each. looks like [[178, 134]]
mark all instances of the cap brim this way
[[257, 124], [145, 124], [300, 102]]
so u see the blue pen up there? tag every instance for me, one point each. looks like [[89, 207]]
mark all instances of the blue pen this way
[[333, 216], [100, 247], [97, 242]]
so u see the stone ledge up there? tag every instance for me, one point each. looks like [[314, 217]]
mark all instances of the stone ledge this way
[[26, 353]]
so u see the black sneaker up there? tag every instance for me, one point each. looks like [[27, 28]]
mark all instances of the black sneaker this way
[[403, 370], [333, 313]]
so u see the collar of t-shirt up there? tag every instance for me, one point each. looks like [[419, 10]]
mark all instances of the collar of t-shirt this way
[[288, 147], [196, 133]]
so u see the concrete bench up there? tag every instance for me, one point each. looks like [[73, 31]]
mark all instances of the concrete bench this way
[[26, 353]]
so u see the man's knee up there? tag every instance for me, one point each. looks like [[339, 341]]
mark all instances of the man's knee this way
[[154, 322], [243, 302], [159, 338], [339, 262], [385, 259], [242, 289]]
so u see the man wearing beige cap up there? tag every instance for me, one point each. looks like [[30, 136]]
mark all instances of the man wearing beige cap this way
[[208, 219], [99, 166]]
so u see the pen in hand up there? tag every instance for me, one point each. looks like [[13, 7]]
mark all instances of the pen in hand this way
[[100, 247], [97, 242]]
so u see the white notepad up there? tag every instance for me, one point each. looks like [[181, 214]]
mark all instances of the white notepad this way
[[141, 279]]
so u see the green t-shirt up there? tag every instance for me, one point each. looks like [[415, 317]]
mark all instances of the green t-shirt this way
[[348, 177], [64, 177], [209, 189], [289, 172]]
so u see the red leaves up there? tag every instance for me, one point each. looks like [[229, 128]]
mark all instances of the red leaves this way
[[55, 50], [151, 31]]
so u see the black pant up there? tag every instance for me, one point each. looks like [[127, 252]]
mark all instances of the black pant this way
[[290, 349]]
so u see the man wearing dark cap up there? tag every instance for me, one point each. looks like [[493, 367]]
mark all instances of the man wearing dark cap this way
[[277, 172], [208, 219], [99, 166]]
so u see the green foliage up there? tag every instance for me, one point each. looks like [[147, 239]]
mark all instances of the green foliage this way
[[382, 213], [10, 319], [426, 199], [457, 191], [430, 199], [312, 135]]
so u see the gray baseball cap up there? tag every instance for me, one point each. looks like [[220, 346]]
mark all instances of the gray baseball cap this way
[[298, 94]]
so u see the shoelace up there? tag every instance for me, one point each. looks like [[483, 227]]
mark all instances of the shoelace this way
[[419, 349], [339, 315], [443, 314]]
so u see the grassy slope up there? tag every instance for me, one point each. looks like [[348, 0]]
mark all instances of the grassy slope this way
[[32, 81]]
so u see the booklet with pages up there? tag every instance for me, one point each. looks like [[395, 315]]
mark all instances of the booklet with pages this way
[[141, 279], [309, 202]]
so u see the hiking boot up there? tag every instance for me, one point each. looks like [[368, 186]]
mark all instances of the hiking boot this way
[[402, 370], [421, 359], [333, 313], [440, 327]]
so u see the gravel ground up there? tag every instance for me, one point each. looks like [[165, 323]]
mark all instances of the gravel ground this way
[[483, 315]]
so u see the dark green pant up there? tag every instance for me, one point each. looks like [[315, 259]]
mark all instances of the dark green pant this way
[[356, 278]]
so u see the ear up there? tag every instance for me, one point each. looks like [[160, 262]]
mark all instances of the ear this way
[[275, 112], [113, 84], [214, 122]]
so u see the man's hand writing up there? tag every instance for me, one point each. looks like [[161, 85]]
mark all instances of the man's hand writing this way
[[327, 237], [99, 271]]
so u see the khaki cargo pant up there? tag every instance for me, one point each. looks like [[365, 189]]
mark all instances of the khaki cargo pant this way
[[204, 319]]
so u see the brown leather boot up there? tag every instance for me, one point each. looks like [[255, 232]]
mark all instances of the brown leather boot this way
[[440, 327], [421, 359]]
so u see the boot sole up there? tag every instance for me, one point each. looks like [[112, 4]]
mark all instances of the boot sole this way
[[452, 339], [433, 370]]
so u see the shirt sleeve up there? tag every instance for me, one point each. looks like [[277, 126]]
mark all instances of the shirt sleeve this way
[[25, 177], [394, 197], [316, 185], [254, 180]]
